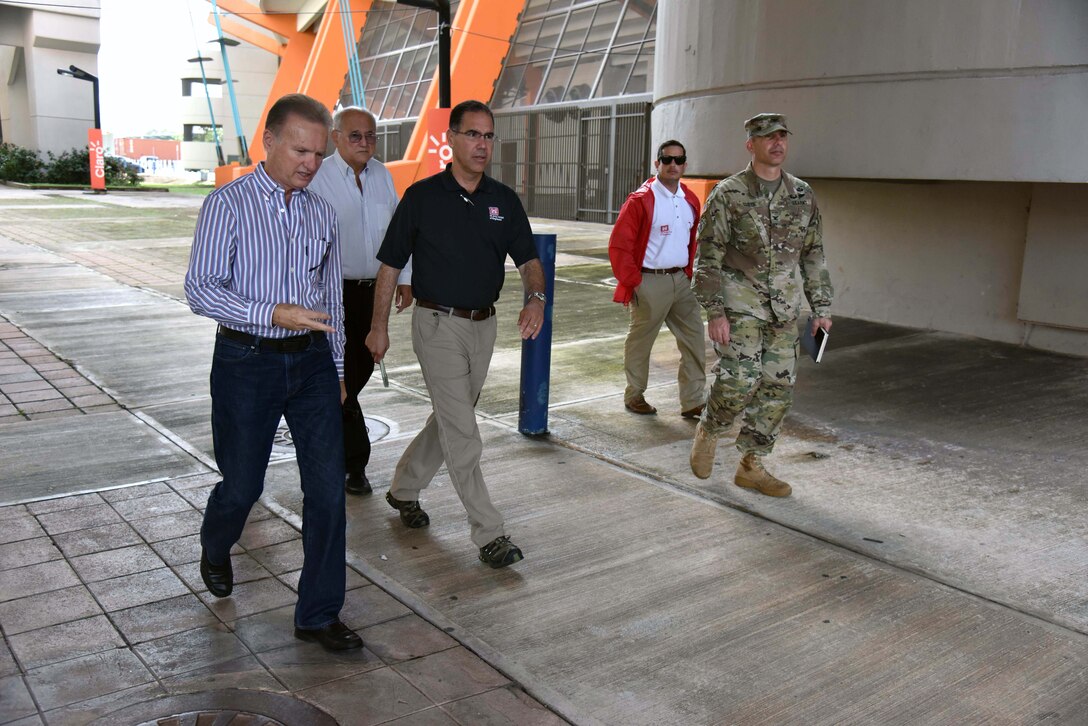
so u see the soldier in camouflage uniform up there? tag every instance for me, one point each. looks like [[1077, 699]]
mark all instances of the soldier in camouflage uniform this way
[[759, 245]]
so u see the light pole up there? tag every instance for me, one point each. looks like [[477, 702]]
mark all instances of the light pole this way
[[211, 114], [85, 76]]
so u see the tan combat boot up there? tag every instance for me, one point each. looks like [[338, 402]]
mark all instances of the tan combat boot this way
[[752, 475], [702, 452]]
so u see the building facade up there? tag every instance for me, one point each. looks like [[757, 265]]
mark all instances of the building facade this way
[[40, 109], [941, 138]]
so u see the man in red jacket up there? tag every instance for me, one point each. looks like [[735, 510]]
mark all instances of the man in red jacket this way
[[652, 247]]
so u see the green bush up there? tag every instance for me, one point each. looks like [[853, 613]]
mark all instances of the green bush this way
[[71, 167], [74, 167], [20, 165], [121, 173]]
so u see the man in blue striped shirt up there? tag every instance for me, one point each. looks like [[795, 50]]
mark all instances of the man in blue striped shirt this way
[[361, 190], [265, 265]]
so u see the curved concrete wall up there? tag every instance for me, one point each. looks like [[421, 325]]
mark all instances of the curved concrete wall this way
[[880, 89]]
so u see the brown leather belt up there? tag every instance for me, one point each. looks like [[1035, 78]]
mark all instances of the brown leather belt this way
[[478, 314], [367, 282], [292, 344], [666, 271]]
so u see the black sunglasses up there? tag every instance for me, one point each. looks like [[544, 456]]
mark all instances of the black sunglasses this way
[[680, 160]]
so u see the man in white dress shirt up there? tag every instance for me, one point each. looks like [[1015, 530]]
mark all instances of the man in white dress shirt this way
[[361, 190], [651, 248]]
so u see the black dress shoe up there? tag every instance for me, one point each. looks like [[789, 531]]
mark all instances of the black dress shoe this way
[[218, 578], [357, 484], [334, 636]]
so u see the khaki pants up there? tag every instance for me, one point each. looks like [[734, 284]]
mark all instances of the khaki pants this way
[[454, 355], [754, 376], [666, 299]]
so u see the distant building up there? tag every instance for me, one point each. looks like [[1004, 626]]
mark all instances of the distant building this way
[[252, 70], [137, 148]]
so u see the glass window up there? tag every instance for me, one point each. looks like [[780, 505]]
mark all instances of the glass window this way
[[604, 24], [585, 75], [510, 88], [642, 75], [404, 63], [399, 46], [617, 69], [635, 23], [555, 84], [569, 44], [548, 40], [417, 102], [397, 33], [407, 97], [535, 7], [391, 102], [524, 40], [577, 28], [420, 61]]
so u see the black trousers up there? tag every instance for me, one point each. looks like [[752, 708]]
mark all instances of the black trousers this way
[[358, 366]]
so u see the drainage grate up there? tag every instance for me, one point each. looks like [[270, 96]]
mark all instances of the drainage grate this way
[[234, 707], [283, 445]]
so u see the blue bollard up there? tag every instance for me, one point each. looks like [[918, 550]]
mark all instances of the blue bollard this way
[[536, 355]]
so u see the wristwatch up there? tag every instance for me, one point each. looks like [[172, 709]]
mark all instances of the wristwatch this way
[[538, 295]]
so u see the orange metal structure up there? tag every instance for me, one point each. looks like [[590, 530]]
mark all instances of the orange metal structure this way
[[316, 63]]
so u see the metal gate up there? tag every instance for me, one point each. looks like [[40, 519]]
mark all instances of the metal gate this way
[[574, 162]]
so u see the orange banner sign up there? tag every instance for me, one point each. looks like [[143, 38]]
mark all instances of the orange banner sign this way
[[439, 152], [98, 159]]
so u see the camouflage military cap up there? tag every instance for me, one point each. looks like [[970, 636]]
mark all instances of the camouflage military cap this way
[[765, 124]]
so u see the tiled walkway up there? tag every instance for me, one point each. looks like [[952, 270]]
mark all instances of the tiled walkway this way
[[35, 384], [102, 606]]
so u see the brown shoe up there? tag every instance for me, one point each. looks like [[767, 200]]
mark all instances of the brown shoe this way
[[693, 412], [702, 452], [752, 475], [640, 407]]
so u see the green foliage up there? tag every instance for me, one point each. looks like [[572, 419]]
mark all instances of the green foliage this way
[[71, 167], [20, 165], [120, 172]]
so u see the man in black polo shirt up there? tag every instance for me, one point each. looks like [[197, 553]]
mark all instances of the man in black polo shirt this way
[[458, 226]]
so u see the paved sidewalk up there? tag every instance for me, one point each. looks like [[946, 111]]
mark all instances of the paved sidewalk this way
[[102, 607], [930, 567]]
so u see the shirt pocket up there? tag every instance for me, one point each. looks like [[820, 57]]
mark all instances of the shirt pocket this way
[[315, 251], [796, 223], [748, 232], [383, 215]]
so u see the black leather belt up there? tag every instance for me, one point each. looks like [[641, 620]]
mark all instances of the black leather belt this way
[[477, 314], [360, 282], [293, 344], [666, 271]]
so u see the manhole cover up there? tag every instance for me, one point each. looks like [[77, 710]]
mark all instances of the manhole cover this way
[[283, 445], [234, 707]]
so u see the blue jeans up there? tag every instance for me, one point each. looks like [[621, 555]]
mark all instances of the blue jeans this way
[[251, 390]]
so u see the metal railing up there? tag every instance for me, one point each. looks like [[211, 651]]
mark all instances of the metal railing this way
[[574, 162]]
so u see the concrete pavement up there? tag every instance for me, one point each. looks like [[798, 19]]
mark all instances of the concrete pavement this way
[[930, 568]]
